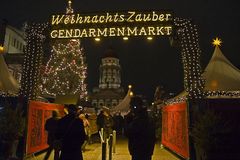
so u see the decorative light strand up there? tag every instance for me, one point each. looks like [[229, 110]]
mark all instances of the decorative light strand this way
[[33, 59]]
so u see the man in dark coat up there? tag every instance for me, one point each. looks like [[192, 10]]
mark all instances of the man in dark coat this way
[[71, 131], [140, 131], [50, 127]]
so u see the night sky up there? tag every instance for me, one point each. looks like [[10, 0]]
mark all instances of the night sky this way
[[144, 64]]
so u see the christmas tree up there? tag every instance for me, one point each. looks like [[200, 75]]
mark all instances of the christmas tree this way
[[66, 70]]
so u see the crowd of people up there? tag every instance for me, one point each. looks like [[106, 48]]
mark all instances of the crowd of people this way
[[69, 135]]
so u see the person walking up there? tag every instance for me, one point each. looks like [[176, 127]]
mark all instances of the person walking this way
[[107, 123], [140, 130], [86, 125], [118, 123], [71, 132], [50, 127]]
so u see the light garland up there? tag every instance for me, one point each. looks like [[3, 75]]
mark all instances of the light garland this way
[[190, 51], [207, 94], [32, 60]]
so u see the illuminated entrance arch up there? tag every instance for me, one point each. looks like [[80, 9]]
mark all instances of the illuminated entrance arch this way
[[118, 24]]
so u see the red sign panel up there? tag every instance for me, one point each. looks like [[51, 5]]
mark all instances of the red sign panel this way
[[175, 128], [38, 113]]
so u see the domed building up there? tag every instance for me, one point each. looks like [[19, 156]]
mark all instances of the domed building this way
[[109, 91]]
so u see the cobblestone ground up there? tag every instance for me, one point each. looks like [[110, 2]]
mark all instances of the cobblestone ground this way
[[93, 152]]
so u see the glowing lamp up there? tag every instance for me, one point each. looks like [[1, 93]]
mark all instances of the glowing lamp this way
[[149, 38], [131, 93], [1, 49], [97, 39], [129, 86], [125, 38]]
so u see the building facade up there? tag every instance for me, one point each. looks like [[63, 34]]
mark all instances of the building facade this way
[[109, 91], [14, 45]]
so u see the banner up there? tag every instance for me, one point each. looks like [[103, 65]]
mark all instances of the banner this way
[[38, 113], [175, 128]]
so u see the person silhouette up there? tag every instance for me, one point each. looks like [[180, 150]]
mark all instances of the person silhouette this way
[[50, 127], [71, 132], [140, 130]]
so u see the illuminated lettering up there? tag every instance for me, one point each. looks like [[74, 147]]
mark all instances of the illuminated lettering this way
[[154, 16], [131, 16], [146, 17], [116, 17], [131, 32], [142, 31], [77, 33], [107, 24], [54, 34], [102, 33], [79, 19], [168, 30], [120, 31], [73, 19], [109, 18], [161, 17], [101, 19], [87, 19], [57, 20], [61, 33], [92, 32], [66, 20], [84, 33], [95, 19], [138, 18], [167, 17], [112, 32], [151, 31], [160, 31], [121, 18], [69, 33]]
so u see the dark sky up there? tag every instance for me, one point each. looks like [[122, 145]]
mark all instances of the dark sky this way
[[144, 64]]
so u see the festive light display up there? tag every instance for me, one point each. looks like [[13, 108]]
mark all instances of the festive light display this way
[[217, 42], [206, 93], [66, 71], [33, 59], [190, 49], [69, 59]]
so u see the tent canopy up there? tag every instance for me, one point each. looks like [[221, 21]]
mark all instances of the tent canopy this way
[[8, 84], [219, 75], [123, 106]]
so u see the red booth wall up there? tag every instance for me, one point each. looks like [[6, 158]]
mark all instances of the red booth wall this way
[[38, 113], [175, 128]]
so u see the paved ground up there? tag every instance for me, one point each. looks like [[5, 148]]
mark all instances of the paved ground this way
[[93, 152]]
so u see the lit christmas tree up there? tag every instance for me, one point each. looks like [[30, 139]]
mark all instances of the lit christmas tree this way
[[66, 71]]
